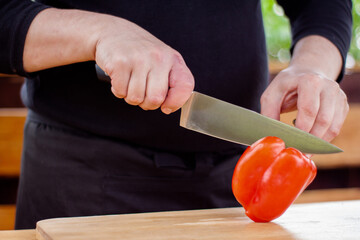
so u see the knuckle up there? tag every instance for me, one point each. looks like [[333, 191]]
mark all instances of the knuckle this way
[[308, 110], [138, 61], [155, 100], [189, 83], [335, 85], [157, 55], [312, 79], [108, 69], [323, 120], [334, 131], [177, 56], [134, 99], [185, 81], [116, 67], [120, 61], [119, 93], [334, 88]]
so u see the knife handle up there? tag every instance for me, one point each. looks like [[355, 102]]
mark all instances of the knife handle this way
[[101, 74]]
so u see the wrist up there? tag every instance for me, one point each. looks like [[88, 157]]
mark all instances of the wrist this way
[[318, 55], [299, 69], [59, 37]]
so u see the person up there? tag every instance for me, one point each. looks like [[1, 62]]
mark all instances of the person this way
[[92, 148]]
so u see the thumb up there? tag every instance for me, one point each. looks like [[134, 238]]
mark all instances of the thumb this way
[[181, 85]]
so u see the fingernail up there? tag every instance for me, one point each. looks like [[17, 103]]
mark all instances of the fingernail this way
[[167, 110]]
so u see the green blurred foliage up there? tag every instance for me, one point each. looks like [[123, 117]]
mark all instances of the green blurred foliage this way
[[355, 43], [278, 34]]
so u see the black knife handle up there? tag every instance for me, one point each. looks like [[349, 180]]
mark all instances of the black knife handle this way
[[101, 74]]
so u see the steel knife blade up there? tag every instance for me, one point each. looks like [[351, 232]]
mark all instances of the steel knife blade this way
[[233, 123], [220, 119]]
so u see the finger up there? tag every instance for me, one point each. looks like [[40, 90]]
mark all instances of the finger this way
[[279, 95], [120, 80], [325, 114], [289, 102], [156, 88], [181, 85], [137, 85], [271, 102], [341, 112], [308, 103]]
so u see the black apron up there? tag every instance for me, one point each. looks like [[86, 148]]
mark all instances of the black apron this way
[[68, 173]]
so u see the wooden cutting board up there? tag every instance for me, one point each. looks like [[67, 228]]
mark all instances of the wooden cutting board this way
[[18, 235], [331, 220]]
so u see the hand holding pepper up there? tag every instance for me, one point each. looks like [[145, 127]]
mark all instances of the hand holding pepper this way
[[269, 177]]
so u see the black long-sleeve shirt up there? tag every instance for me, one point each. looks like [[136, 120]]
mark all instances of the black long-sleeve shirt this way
[[222, 42]]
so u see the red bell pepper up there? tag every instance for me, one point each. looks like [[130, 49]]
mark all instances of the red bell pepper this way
[[269, 177]]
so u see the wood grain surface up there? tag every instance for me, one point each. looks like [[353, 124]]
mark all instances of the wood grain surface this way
[[327, 195], [330, 220], [18, 235]]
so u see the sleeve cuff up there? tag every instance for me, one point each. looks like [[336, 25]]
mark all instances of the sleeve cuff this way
[[15, 20]]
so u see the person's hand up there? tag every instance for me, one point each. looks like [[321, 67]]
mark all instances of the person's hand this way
[[322, 105], [143, 70]]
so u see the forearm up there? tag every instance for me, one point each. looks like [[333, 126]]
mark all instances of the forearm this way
[[318, 55], [58, 37]]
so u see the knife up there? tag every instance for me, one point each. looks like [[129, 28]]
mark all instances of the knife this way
[[220, 119]]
